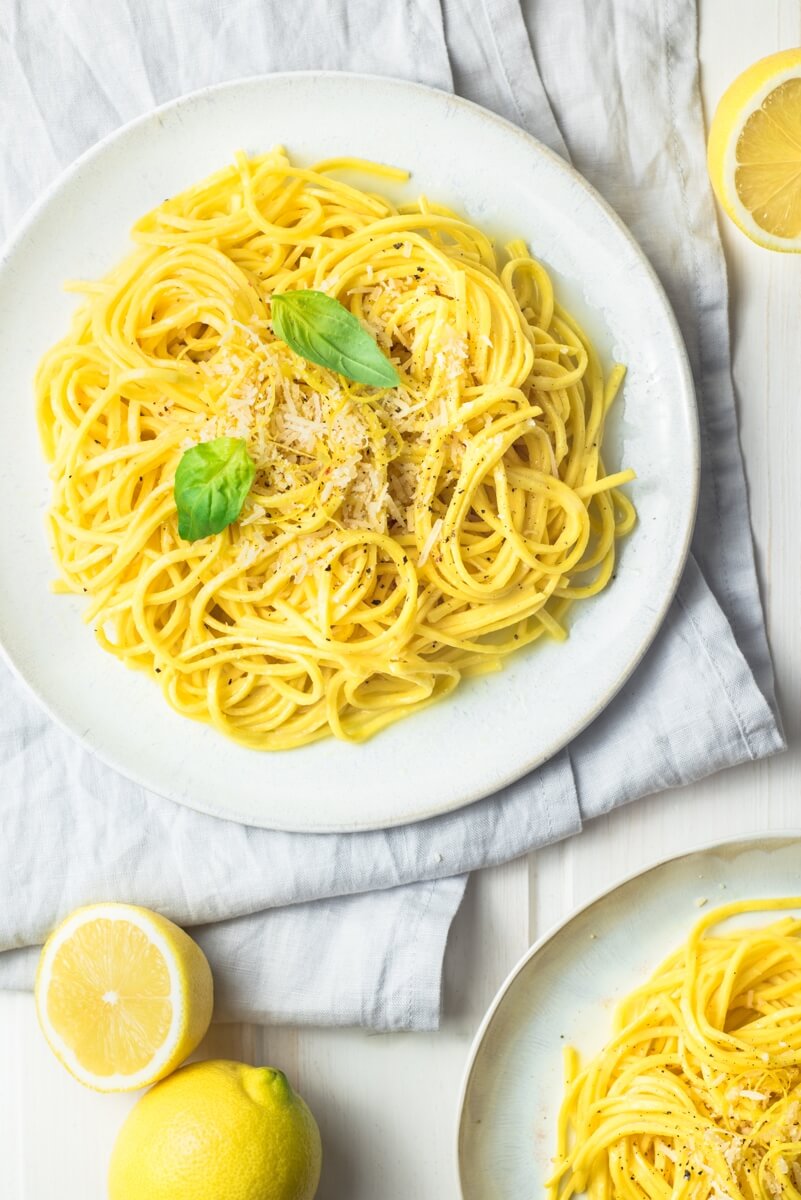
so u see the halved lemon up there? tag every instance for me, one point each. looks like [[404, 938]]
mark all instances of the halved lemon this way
[[754, 151], [123, 996]]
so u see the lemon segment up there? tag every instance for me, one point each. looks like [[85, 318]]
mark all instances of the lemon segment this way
[[754, 151], [218, 1130], [122, 995]]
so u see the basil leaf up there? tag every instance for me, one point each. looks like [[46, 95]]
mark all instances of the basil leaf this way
[[211, 485], [322, 330]]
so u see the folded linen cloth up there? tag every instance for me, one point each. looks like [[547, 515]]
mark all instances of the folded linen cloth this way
[[351, 929]]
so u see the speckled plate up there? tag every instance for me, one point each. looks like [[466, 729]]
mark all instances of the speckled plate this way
[[563, 991], [492, 730]]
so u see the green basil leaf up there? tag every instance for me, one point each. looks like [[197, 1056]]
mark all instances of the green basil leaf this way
[[322, 330], [211, 485]]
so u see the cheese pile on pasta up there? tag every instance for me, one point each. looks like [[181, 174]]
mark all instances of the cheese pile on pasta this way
[[698, 1094], [394, 540]]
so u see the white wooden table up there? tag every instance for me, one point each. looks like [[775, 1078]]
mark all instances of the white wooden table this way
[[386, 1104]]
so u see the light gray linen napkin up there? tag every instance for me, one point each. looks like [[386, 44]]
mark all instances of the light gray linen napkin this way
[[351, 929]]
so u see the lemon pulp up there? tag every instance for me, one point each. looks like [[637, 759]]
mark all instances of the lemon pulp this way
[[110, 997], [767, 174]]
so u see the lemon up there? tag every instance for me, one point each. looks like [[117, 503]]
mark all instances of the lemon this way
[[123, 995], [218, 1131], [754, 151]]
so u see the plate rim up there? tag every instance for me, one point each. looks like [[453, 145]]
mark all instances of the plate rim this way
[[679, 355], [793, 834]]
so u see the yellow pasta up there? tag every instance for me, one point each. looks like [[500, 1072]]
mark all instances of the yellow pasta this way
[[698, 1094], [394, 540]]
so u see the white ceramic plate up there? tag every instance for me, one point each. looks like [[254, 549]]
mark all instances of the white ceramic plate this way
[[493, 729], [563, 991]]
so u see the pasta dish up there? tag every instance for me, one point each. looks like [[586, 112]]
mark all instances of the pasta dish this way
[[698, 1093], [316, 458]]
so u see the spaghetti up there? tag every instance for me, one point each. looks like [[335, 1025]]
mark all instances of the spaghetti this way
[[698, 1094], [394, 540]]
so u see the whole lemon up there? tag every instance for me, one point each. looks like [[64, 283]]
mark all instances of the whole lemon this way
[[218, 1130]]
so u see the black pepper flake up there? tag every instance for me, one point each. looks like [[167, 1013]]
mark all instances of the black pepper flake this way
[[158, 670], [397, 245], [328, 568]]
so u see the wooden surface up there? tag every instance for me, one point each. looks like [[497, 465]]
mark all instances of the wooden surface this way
[[386, 1105]]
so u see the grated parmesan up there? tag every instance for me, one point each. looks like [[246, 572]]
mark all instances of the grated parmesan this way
[[429, 543]]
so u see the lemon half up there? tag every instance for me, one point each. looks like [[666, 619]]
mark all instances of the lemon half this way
[[754, 151], [122, 995]]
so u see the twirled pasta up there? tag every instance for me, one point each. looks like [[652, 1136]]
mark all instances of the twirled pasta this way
[[394, 541], [698, 1094]]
